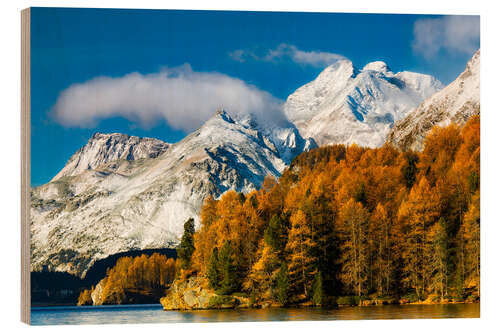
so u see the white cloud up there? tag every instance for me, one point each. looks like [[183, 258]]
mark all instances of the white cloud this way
[[287, 51], [181, 96], [239, 55], [451, 33], [316, 58]]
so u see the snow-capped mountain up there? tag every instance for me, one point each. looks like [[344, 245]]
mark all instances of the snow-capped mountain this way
[[117, 204], [456, 103], [347, 105], [103, 148], [283, 134]]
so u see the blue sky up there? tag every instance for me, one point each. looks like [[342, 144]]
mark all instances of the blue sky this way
[[80, 53]]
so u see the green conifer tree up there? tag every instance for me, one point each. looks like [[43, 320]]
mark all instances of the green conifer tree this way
[[227, 268], [186, 247], [318, 294], [213, 272], [275, 234], [282, 285]]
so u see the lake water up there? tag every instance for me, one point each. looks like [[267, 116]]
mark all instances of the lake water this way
[[121, 314]]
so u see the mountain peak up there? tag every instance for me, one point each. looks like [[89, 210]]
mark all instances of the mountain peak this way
[[340, 69], [99, 135], [345, 105], [102, 148], [222, 114], [456, 103], [378, 66], [472, 67]]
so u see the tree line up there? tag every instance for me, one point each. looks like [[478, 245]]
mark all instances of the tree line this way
[[350, 221], [134, 279]]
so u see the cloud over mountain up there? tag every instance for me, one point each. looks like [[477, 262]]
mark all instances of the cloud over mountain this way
[[290, 52], [185, 99], [449, 33]]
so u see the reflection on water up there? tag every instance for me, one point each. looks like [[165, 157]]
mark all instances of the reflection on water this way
[[154, 314]]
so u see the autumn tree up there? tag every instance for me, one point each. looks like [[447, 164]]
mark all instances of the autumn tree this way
[[440, 147], [85, 297], [471, 232], [204, 238], [262, 276], [353, 227], [130, 278], [300, 263], [380, 247], [438, 258], [418, 212]]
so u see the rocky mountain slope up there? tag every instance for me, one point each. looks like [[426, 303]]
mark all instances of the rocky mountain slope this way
[[103, 148], [456, 103], [108, 199], [347, 105]]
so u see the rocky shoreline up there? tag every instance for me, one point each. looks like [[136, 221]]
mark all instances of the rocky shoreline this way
[[194, 294]]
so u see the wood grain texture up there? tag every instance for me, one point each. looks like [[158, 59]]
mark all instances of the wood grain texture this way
[[25, 165]]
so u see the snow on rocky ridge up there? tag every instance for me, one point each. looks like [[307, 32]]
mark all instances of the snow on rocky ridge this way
[[456, 103], [102, 148], [347, 105]]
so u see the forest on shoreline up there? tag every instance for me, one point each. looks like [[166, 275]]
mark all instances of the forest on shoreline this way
[[142, 279], [341, 226]]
